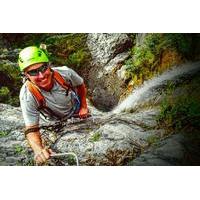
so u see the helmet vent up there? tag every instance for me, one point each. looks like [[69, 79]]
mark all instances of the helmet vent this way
[[39, 53]]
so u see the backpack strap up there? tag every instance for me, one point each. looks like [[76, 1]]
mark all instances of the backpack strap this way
[[35, 91], [61, 81]]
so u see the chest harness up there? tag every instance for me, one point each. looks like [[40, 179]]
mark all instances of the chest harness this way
[[42, 106]]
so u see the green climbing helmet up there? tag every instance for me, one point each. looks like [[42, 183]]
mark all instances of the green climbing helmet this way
[[31, 55]]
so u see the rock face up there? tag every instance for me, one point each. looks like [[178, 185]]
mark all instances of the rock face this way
[[175, 150], [112, 140], [108, 51], [13, 147], [104, 47], [101, 140]]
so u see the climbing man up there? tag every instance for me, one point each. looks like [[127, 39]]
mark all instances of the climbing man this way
[[53, 92]]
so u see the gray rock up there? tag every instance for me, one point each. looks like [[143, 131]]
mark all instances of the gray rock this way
[[104, 47], [148, 160], [171, 149], [121, 73], [112, 65], [167, 152]]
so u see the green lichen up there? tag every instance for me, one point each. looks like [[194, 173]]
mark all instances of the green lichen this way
[[153, 139], [95, 137], [19, 149], [3, 133]]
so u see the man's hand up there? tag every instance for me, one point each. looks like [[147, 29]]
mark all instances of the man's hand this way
[[42, 156], [83, 113]]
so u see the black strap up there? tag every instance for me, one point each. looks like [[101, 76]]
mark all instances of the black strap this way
[[49, 110], [30, 130]]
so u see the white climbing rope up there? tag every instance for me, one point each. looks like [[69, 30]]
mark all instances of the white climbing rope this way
[[54, 155]]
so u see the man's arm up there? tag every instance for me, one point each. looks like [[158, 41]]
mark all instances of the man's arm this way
[[34, 139], [82, 91]]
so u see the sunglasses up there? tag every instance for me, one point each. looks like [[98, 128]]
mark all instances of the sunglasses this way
[[41, 69]]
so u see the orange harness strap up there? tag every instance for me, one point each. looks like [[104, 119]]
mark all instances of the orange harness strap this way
[[61, 80], [35, 91]]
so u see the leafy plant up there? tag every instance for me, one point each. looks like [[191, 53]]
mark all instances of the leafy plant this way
[[181, 112], [181, 42], [68, 49], [146, 58], [143, 56], [19, 149], [152, 139], [95, 137], [3, 133], [78, 58], [10, 83], [4, 94]]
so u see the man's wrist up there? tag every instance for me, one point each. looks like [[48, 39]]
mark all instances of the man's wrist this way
[[31, 130]]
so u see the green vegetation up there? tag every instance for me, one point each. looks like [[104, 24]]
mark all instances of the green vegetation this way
[[22, 40], [180, 42], [30, 162], [71, 160], [153, 139], [4, 93], [10, 84], [62, 161], [68, 49], [19, 149], [95, 137], [157, 53], [182, 112], [3, 134]]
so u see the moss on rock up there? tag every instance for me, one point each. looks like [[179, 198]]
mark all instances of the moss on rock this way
[[68, 49]]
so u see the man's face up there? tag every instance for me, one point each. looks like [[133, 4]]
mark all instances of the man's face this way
[[40, 74]]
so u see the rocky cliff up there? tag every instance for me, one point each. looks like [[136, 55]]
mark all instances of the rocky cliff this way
[[129, 132]]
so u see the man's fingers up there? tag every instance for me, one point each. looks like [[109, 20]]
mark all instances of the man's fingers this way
[[39, 159], [43, 156], [50, 151], [85, 115], [45, 153]]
